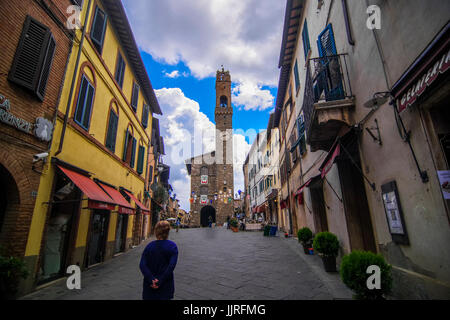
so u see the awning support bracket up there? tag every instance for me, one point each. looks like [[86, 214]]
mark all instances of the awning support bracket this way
[[372, 185]]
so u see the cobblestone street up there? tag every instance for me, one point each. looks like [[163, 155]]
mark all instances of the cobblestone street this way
[[214, 264]]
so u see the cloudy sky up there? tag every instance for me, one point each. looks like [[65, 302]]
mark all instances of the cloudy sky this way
[[183, 44]]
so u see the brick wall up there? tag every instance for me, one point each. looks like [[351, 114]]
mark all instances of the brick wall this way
[[17, 148]]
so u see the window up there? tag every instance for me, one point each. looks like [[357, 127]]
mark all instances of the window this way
[[150, 175], [301, 134], [141, 157], [145, 114], [305, 39], [129, 149], [204, 171], [112, 131], [135, 97], [204, 191], [120, 70], [84, 104], [293, 142], [296, 77], [34, 58], [326, 44], [98, 29], [78, 3], [223, 101]]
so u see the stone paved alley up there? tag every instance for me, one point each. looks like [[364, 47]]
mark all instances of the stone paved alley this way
[[214, 264]]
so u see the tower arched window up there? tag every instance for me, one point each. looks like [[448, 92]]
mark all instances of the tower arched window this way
[[204, 171], [223, 101]]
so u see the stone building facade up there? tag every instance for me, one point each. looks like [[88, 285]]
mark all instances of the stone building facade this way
[[212, 180]]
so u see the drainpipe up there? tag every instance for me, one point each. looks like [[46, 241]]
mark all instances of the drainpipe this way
[[72, 87]]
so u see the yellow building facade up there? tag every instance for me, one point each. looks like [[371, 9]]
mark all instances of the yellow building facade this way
[[94, 200]]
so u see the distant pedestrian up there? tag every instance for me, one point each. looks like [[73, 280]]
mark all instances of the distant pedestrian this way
[[228, 222], [177, 224], [158, 262], [210, 221]]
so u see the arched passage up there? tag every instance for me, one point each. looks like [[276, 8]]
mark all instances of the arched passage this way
[[205, 213], [9, 195]]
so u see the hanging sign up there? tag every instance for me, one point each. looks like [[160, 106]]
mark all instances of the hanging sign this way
[[204, 179]]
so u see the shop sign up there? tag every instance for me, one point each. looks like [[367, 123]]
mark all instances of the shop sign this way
[[100, 205], [394, 214], [427, 78], [444, 182], [42, 129], [204, 179]]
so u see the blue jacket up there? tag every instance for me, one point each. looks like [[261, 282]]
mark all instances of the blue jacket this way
[[158, 262]]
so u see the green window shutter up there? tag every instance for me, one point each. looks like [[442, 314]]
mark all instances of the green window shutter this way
[[112, 131], [99, 28], [140, 165], [84, 104], [135, 97], [133, 153], [125, 146]]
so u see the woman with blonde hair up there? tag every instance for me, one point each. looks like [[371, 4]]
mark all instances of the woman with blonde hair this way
[[158, 262]]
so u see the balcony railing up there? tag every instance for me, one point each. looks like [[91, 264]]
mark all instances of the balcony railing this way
[[328, 96]]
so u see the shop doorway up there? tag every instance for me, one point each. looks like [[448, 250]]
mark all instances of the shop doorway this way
[[318, 205], [359, 225], [98, 237], [205, 213], [121, 233], [9, 196], [60, 231]]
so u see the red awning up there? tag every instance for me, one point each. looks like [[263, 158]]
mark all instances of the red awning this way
[[335, 151], [300, 190], [144, 209], [261, 209], [97, 198], [283, 204], [124, 206]]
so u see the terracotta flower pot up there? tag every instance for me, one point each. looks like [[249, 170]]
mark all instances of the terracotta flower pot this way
[[235, 229], [306, 248]]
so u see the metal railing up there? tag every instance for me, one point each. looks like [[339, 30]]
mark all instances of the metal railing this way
[[330, 78]]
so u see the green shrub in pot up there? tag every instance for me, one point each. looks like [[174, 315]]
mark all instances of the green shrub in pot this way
[[354, 274], [327, 244], [11, 270], [305, 236]]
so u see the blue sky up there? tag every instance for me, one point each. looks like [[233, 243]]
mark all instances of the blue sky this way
[[203, 91], [183, 43]]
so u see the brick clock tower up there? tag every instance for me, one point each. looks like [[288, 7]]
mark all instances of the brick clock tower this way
[[212, 182], [224, 146]]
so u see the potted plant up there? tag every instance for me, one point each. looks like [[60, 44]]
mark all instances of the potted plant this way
[[234, 224], [327, 245], [11, 270], [267, 230], [305, 236], [354, 274]]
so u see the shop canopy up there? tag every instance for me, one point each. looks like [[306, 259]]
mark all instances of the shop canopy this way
[[97, 198], [144, 209], [335, 151], [123, 205]]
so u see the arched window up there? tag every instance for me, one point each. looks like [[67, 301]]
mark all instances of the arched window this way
[[85, 100], [129, 148], [204, 171], [223, 101]]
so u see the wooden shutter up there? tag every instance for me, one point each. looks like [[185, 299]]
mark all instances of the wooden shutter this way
[[112, 131], [135, 97], [305, 38], [150, 175], [78, 2], [120, 70], [140, 164], [98, 28], [296, 77], [325, 42], [125, 146], [88, 106], [145, 112], [33, 59], [133, 153]]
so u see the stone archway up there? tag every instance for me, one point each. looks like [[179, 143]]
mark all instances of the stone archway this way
[[9, 195], [205, 213]]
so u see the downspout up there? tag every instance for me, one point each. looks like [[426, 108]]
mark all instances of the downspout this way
[[72, 87]]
